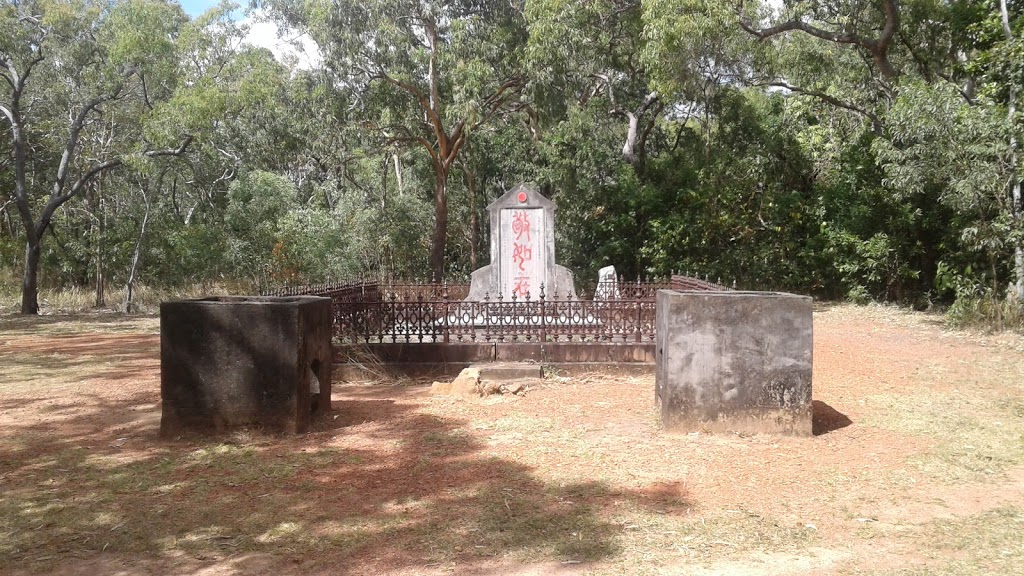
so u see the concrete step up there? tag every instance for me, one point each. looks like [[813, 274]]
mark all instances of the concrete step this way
[[507, 370]]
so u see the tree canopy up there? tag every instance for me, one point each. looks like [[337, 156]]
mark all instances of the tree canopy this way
[[847, 149]]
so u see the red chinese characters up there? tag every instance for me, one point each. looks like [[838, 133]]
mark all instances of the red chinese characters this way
[[522, 252], [521, 225], [521, 289]]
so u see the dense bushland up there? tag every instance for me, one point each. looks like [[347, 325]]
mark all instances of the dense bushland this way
[[867, 151]]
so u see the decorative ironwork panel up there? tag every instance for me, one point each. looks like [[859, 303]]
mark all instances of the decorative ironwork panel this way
[[373, 312], [683, 282]]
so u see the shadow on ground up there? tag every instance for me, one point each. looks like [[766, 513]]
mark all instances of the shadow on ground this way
[[77, 358], [827, 419], [99, 321], [377, 486]]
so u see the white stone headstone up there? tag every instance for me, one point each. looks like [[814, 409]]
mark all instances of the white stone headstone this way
[[607, 284], [522, 255]]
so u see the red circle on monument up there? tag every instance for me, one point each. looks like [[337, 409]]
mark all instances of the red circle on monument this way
[[521, 197]]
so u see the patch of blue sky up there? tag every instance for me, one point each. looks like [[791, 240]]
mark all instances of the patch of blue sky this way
[[196, 7], [298, 49]]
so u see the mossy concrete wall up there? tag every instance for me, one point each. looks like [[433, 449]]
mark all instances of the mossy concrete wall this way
[[734, 361]]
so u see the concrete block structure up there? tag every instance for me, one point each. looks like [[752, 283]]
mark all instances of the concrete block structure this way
[[234, 361], [734, 361]]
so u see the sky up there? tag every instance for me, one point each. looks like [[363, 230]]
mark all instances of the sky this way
[[196, 7], [263, 34]]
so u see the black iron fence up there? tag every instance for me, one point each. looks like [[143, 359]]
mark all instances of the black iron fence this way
[[694, 284], [372, 312], [417, 319]]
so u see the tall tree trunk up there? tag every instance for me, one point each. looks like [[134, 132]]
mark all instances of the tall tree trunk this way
[[30, 281], [129, 292], [629, 148], [8, 219], [440, 237], [101, 298], [398, 172], [1017, 211], [1018, 248], [474, 220]]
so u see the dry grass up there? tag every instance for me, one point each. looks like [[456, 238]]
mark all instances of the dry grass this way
[[574, 478], [977, 437], [15, 325], [984, 544], [76, 503], [20, 373], [972, 409], [78, 300]]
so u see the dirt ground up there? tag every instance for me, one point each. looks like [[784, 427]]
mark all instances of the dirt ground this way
[[916, 467]]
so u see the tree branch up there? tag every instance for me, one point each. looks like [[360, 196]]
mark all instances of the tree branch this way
[[875, 120], [878, 47], [794, 25], [68, 156], [20, 80], [432, 73], [171, 152], [417, 140], [892, 23], [6, 77], [434, 119], [56, 201], [498, 98], [608, 88], [145, 91], [622, 8]]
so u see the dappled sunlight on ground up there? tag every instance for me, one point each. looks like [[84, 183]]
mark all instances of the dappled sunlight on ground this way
[[575, 477]]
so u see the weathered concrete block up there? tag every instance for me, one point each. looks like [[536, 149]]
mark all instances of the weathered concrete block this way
[[734, 361], [240, 360]]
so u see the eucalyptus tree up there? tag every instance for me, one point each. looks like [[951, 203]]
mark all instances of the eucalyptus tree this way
[[230, 97], [424, 73], [1015, 54], [853, 55], [593, 51], [696, 55], [962, 138], [896, 64], [78, 76], [245, 112]]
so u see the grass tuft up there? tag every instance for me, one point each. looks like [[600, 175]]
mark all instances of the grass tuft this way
[[976, 438]]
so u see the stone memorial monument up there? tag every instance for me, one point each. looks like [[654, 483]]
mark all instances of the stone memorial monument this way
[[522, 251]]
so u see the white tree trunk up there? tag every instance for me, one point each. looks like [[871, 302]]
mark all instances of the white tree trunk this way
[[129, 292], [1018, 249]]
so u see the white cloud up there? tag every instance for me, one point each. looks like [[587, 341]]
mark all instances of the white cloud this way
[[291, 48]]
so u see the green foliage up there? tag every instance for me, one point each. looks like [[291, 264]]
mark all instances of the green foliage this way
[[938, 139], [258, 202], [695, 47], [939, 142], [669, 137]]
